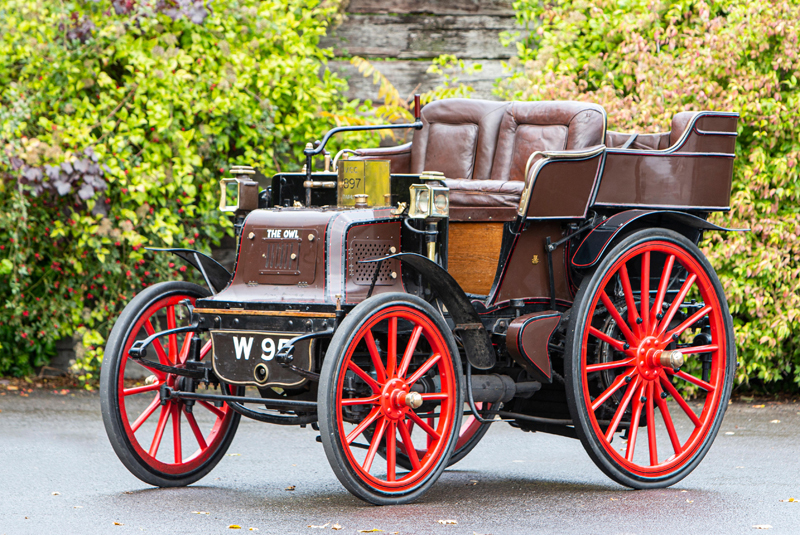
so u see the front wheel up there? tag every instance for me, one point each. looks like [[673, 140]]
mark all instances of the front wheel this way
[[650, 359], [171, 444], [391, 380]]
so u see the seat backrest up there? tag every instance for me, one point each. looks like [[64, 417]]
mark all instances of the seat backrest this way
[[544, 126], [458, 139]]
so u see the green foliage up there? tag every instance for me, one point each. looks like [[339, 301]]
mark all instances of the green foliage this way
[[117, 119], [646, 60]]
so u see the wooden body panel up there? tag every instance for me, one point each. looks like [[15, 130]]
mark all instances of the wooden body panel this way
[[473, 255]]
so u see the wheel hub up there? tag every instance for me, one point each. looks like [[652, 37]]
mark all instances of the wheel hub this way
[[647, 360], [393, 399]]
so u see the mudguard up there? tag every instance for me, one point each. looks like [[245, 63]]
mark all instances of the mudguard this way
[[591, 249], [216, 276], [478, 345]]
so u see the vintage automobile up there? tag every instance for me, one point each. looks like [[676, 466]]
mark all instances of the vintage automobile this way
[[516, 262]]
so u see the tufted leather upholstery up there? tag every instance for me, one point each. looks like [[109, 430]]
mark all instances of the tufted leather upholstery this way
[[483, 147]]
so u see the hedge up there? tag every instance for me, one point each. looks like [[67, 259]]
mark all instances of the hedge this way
[[646, 60], [117, 119]]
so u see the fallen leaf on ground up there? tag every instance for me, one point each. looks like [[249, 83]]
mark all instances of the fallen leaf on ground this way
[[12, 387], [775, 422], [77, 507], [253, 529], [373, 530], [234, 526], [200, 513], [738, 466], [446, 522], [473, 482], [336, 527], [234, 455], [56, 494], [762, 526], [759, 407], [730, 433], [689, 501], [614, 499], [791, 500], [118, 524], [291, 487], [319, 527]]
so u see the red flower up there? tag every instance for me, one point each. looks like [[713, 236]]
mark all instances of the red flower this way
[[182, 269], [24, 335], [25, 313]]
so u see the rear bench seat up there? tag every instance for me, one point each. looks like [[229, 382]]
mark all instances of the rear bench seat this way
[[482, 147]]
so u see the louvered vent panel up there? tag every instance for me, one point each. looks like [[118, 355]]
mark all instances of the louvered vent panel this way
[[362, 274]]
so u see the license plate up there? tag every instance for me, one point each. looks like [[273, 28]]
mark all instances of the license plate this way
[[238, 353]]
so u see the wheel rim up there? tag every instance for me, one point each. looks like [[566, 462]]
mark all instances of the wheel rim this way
[[650, 330], [384, 416], [146, 429]]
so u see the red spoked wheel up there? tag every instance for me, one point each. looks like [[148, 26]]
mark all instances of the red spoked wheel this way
[[650, 359], [179, 442], [390, 385]]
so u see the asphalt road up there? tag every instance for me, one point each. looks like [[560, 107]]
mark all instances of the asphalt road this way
[[59, 475]]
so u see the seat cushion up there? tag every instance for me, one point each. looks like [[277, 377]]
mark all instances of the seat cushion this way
[[484, 200]]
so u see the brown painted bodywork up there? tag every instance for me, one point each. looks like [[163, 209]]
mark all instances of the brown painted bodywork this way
[[525, 273], [527, 339]]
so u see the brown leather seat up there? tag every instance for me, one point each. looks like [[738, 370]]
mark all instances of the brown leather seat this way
[[526, 127], [483, 147]]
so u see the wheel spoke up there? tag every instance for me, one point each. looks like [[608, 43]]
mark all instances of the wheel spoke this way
[[422, 425], [699, 349], [140, 389], [409, 353], [218, 413], [430, 438], [162, 355], [599, 400], [183, 355], [610, 365], [146, 414], [352, 366], [373, 447], [613, 342], [366, 422], [651, 424], [694, 318], [423, 369], [391, 452], [205, 349], [623, 327], [435, 396], [708, 387], [679, 400], [162, 423], [676, 304], [644, 298], [662, 288], [173, 338], [375, 356], [612, 427], [198, 434], [662, 407], [633, 315], [391, 353], [372, 400], [636, 416], [176, 433], [411, 451]]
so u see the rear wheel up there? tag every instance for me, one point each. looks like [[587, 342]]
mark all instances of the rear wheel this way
[[179, 442], [650, 359], [391, 380]]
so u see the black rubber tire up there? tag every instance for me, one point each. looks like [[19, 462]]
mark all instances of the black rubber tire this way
[[574, 390], [109, 388], [331, 370]]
